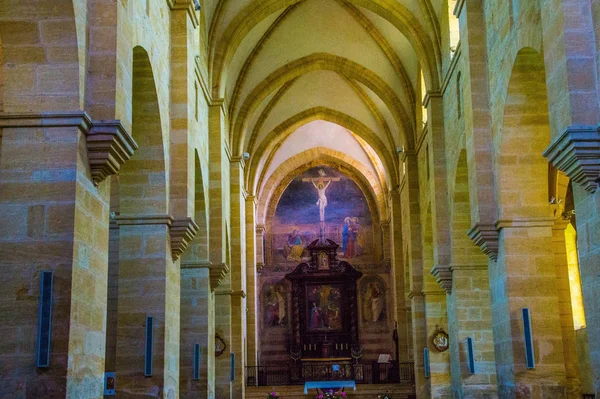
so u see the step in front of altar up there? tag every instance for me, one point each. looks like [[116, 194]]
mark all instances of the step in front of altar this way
[[363, 391]]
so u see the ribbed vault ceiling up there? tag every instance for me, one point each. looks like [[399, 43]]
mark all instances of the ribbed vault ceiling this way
[[282, 64]]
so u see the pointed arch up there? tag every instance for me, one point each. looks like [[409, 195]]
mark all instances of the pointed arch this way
[[314, 62], [143, 180]]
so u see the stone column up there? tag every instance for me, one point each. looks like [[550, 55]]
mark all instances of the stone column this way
[[260, 247], [251, 283], [470, 316], [148, 287], [563, 289], [525, 277], [399, 275], [437, 316], [238, 275], [197, 328], [55, 217], [219, 245], [573, 100], [409, 193]]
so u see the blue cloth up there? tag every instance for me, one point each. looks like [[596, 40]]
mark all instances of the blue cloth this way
[[344, 237], [328, 385]]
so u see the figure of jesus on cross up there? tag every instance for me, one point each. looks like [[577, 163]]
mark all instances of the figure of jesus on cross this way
[[321, 184]]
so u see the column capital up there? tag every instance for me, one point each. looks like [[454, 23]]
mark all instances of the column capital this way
[[577, 153], [186, 5], [429, 95], [516, 223], [182, 234], [109, 145], [217, 274], [443, 276], [140, 220], [485, 236], [260, 229], [468, 267]]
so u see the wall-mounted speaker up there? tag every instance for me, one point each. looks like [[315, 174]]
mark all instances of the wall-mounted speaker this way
[[44, 319], [528, 335], [196, 362], [470, 355], [148, 347], [426, 362]]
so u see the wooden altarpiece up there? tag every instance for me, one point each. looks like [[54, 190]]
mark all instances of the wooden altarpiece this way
[[324, 306]]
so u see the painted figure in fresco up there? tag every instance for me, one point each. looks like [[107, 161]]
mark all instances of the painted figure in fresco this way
[[316, 320], [350, 251], [373, 305], [322, 201], [294, 246], [271, 307], [280, 296], [345, 233], [359, 242]]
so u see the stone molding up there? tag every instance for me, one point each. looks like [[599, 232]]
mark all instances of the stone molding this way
[[182, 234], [217, 274], [485, 236], [142, 220], [196, 265], [443, 276], [413, 294], [181, 231], [561, 224], [518, 223], [577, 153], [467, 267], [109, 146], [108, 143], [187, 5], [260, 229], [232, 293]]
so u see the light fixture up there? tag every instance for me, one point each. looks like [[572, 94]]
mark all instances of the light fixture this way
[[197, 5]]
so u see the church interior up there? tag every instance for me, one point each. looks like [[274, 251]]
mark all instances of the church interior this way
[[247, 198]]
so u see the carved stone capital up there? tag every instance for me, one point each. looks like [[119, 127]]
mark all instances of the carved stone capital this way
[[182, 233], [139, 220], [577, 153], [109, 146], [186, 5], [485, 236], [443, 276], [217, 274]]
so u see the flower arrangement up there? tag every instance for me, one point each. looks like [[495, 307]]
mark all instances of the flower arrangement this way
[[274, 395], [332, 395]]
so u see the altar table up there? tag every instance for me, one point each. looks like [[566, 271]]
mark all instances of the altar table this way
[[328, 385]]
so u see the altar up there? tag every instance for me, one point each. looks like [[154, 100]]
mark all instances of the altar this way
[[324, 314]]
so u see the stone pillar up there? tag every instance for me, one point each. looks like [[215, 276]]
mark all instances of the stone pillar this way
[[218, 242], [573, 100], [436, 316], [399, 275], [260, 246], [470, 316], [563, 289], [251, 284], [55, 217], [525, 277], [409, 194], [148, 287], [238, 275], [197, 327]]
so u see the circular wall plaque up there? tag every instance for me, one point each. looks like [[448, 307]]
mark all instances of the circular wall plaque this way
[[440, 340], [219, 346]]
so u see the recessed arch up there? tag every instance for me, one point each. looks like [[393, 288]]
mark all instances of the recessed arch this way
[[522, 171], [279, 134], [314, 62], [143, 180], [313, 157], [270, 205], [395, 13]]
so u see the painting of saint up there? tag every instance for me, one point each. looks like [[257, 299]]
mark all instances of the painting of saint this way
[[353, 238], [373, 301], [275, 305], [294, 247], [324, 311]]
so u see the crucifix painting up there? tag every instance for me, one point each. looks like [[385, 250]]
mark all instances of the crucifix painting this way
[[322, 202], [321, 183]]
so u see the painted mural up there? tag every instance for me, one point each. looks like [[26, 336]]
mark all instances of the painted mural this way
[[373, 295], [275, 304], [324, 308], [322, 198]]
